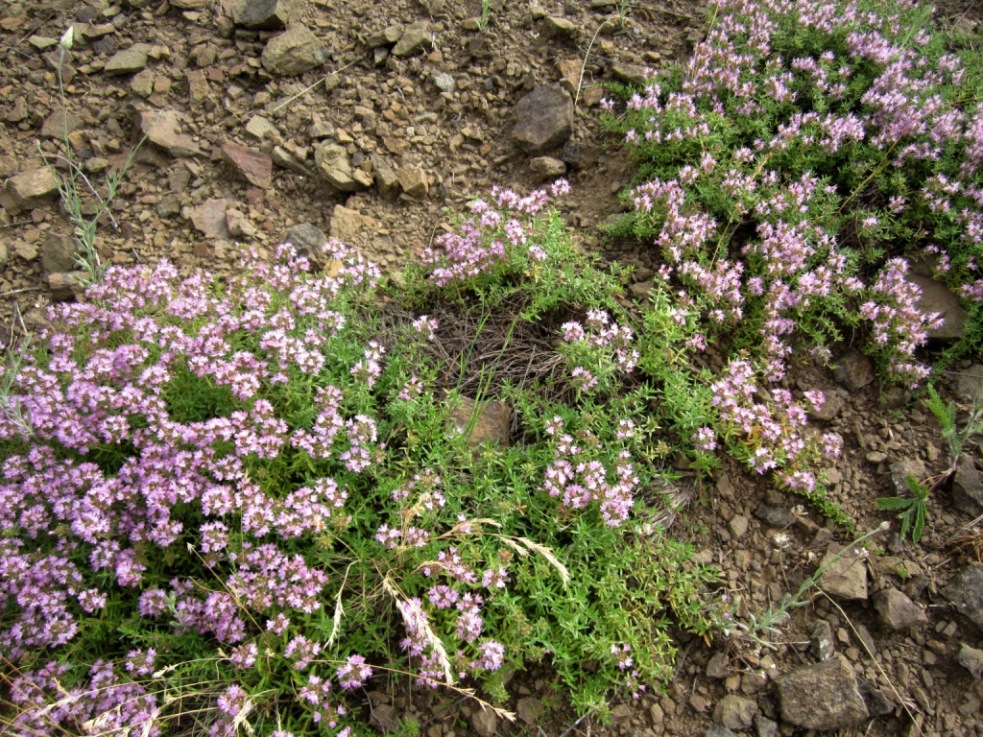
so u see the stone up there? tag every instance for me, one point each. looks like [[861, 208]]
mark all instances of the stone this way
[[832, 404], [163, 128], [28, 190], [967, 486], [59, 124], [18, 111], [58, 254], [901, 469], [559, 27], [261, 129], [936, 297], [529, 710], [190, 4], [546, 167], [824, 696], [415, 38], [286, 160], [878, 704], [735, 712], [270, 15], [844, 574], [570, 71], [387, 37], [717, 730], [971, 659], [386, 180], [128, 60], [775, 516], [142, 83], [209, 217], [350, 225], [543, 119], [484, 722], [965, 592], [335, 166], [66, 285], [444, 82], [969, 383], [738, 525], [491, 423], [413, 181], [632, 74], [896, 610], [309, 240], [765, 727], [295, 51], [718, 666], [854, 370], [256, 167]]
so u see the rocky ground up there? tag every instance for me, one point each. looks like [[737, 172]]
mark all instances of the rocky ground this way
[[265, 121]]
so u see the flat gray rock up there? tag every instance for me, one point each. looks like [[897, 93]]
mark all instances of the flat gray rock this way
[[295, 51], [127, 61], [897, 611], [266, 14], [844, 577], [967, 486], [825, 696], [543, 119], [938, 298], [965, 591]]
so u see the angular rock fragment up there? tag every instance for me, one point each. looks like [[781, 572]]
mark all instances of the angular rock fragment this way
[[256, 167], [965, 591], [295, 51], [825, 696], [163, 128], [543, 119]]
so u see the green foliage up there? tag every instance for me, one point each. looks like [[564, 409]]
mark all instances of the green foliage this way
[[912, 511]]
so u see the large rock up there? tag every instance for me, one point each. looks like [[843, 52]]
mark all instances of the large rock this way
[[971, 659], [256, 167], [295, 51], [543, 119], [484, 722], [854, 370], [351, 226], [163, 128], [936, 297], [967, 486], [266, 14], [898, 611], [825, 696], [413, 181], [209, 217], [844, 574], [335, 166], [128, 60], [415, 38], [735, 712], [965, 591], [29, 190], [59, 253]]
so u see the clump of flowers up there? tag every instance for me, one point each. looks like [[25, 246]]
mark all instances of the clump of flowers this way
[[247, 484], [797, 167]]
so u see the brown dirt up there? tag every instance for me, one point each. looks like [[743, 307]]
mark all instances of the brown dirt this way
[[377, 105]]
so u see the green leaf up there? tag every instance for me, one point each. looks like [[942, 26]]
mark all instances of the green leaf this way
[[889, 504]]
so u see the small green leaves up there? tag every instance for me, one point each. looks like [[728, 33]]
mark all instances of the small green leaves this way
[[911, 510]]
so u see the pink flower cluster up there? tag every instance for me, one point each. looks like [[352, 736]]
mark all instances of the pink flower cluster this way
[[578, 479], [498, 229], [772, 426]]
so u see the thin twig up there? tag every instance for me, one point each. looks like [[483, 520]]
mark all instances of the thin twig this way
[[583, 67], [308, 89]]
